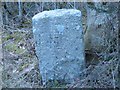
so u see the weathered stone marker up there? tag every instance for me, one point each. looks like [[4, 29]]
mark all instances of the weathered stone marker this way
[[100, 22], [59, 44]]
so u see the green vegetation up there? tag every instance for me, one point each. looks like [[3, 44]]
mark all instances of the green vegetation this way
[[23, 66], [14, 48], [14, 38]]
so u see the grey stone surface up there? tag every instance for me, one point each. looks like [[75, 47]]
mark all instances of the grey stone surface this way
[[95, 34], [59, 44], [99, 30]]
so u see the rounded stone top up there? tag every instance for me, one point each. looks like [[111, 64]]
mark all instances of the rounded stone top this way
[[57, 13]]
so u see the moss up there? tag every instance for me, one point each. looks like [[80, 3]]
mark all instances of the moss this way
[[7, 37], [28, 55], [12, 47], [27, 22], [17, 36]]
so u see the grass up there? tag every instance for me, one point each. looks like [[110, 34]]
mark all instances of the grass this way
[[15, 38], [23, 66], [12, 47]]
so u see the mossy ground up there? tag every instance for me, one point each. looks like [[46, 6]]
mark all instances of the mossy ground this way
[[20, 66]]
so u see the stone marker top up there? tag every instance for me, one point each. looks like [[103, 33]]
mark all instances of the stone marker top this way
[[57, 13]]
